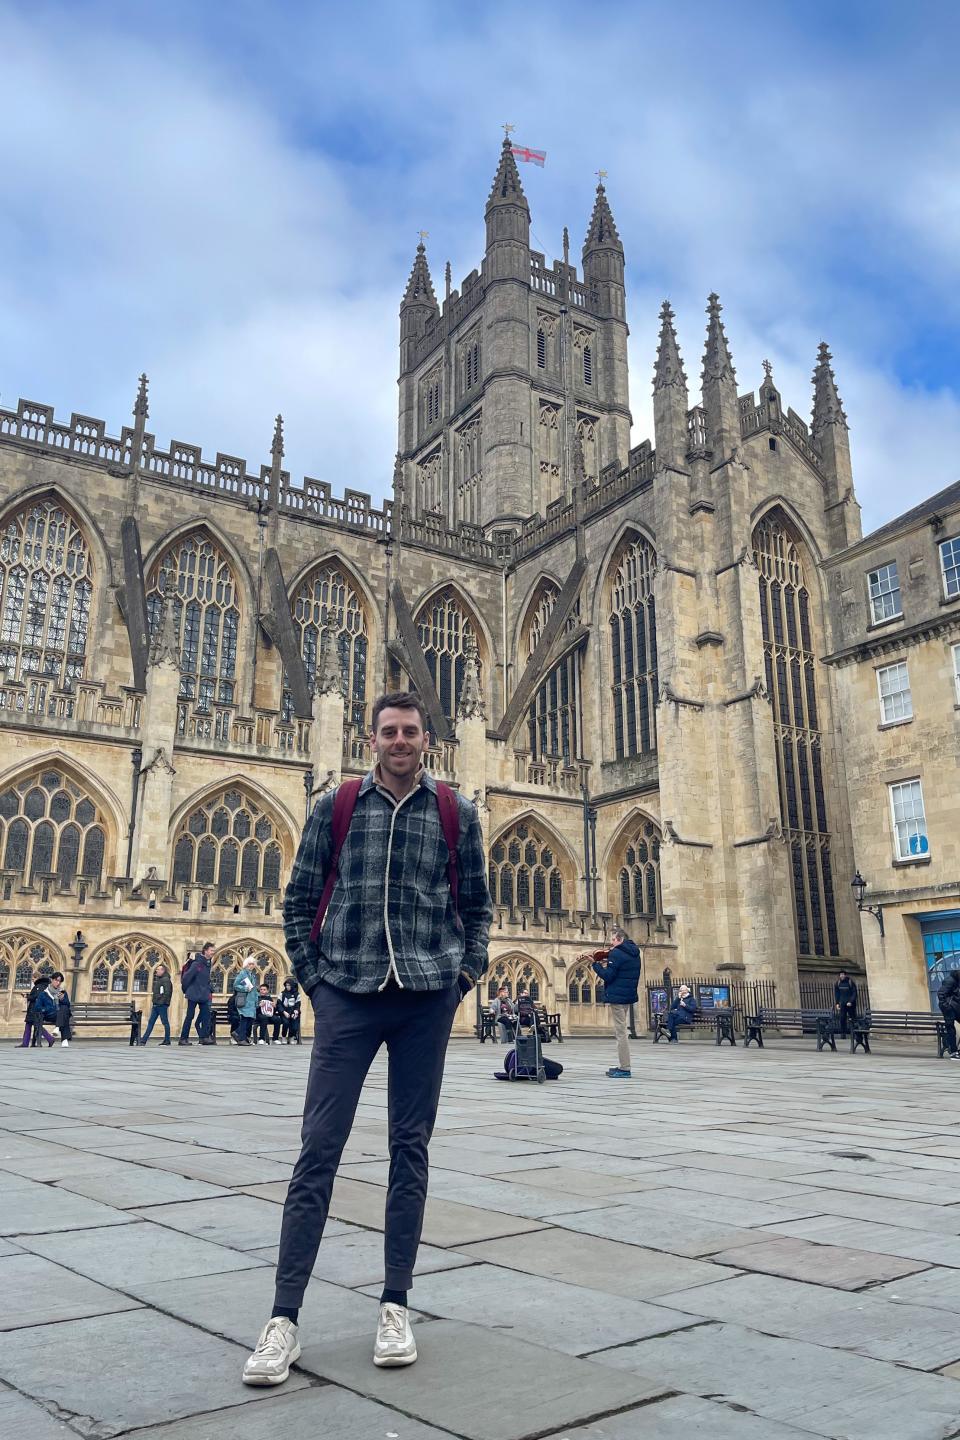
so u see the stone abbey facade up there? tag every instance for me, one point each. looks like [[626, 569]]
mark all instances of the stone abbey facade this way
[[619, 648]]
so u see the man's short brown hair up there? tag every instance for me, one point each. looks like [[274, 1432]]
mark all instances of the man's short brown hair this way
[[399, 700]]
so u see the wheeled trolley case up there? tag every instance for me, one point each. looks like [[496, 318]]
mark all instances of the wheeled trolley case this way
[[529, 1057]]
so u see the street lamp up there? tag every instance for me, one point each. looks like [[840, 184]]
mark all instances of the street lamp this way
[[858, 885]]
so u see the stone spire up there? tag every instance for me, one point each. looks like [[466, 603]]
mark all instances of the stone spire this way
[[471, 694], [670, 399], [329, 677], [721, 410], [276, 461], [506, 188], [602, 230], [827, 408], [141, 408], [419, 289]]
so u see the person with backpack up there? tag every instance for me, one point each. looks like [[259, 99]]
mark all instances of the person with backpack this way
[[286, 1017], [195, 984], [845, 1002], [619, 968], [948, 999], [38, 1012], [386, 918], [161, 995]]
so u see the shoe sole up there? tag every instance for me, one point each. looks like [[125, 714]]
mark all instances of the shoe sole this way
[[271, 1379], [394, 1362]]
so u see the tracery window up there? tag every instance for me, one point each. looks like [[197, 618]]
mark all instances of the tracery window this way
[[445, 634], [49, 825], [639, 874], [587, 439], [524, 870], [429, 484], [270, 969], [468, 456], [24, 956], [197, 579], [554, 719], [125, 966], [791, 681], [327, 602], [227, 842], [513, 973], [633, 650], [45, 595], [584, 988]]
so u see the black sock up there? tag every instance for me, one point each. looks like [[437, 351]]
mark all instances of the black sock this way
[[394, 1297], [287, 1312]]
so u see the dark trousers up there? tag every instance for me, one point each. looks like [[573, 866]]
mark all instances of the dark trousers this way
[[200, 1008], [675, 1018], [244, 1025], [348, 1032], [262, 1026], [161, 1013], [846, 1012], [950, 1016]]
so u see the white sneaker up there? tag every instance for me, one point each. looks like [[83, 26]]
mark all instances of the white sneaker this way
[[261, 1042], [65, 1044], [395, 1344], [277, 1348]]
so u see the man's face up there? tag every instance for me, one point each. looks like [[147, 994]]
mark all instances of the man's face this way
[[207, 952], [399, 742]]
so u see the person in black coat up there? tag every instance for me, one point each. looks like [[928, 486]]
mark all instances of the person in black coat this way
[[948, 998], [845, 1001], [195, 983], [161, 995], [683, 1010], [619, 968]]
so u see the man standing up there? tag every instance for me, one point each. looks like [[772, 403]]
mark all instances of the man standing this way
[[161, 996], [948, 999], [619, 968], [403, 939], [195, 983], [845, 1001]]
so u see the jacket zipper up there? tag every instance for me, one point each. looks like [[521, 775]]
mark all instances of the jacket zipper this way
[[392, 967]]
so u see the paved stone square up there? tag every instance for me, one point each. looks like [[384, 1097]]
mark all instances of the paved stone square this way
[[740, 1245]]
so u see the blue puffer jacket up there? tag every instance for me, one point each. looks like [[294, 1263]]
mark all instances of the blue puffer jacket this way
[[621, 974], [45, 1007]]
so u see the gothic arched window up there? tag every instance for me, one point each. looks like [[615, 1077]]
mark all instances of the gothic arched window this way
[[446, 633], [639, 873], [790, 660], [129, 958], [524, 869], [270, 969], [554, 719], [197, 579], [633, 649], [328, 604], [584, 988], [49, 825], [45, 595], [25, 956], [514, 972], [228, 842]]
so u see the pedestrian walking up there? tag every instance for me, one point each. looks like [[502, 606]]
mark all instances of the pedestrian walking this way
[[160, 997], [619, 968], [195, 984], [386, 920], [948, 998], [286, 1018], [37, 1013], [845, 1002], [64, 1012], [245, 991]]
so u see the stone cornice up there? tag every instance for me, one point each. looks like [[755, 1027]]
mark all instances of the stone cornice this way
[[904, 639]]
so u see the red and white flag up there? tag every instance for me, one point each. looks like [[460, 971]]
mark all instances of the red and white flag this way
[[533, 157]]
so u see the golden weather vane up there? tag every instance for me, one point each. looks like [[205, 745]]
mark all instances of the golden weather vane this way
[[506, 131]]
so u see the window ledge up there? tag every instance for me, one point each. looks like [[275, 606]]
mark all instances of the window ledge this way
[[893, 724], [882, 624], [950, 600], [914, 860]]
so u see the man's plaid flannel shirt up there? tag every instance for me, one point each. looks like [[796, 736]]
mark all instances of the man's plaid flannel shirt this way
[[391, 905]]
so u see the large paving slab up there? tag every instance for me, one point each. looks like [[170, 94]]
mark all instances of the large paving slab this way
[[31, 1208], [34, 1291], [353, 1257], [116, 1373], [324, 1412], [135, 1185], [142, 1250], [516, 1390], [823, 1264], [239, 1221], [682, 1417], [19, 1416]]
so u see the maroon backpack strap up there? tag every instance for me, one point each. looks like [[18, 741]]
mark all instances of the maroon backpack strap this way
[[344, 804], [450, 821]]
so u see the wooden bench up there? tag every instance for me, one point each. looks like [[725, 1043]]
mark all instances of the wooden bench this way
[[894, 1023], [109, 1012], [821, 1023], [548, 1025], [489, 1026], [720, 1022]]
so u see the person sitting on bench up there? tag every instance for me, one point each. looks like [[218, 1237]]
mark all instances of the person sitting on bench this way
[[682, 1011], [526, 1014], [506, 1015]]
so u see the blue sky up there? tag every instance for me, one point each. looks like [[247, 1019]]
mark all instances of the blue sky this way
[[228, 196]]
